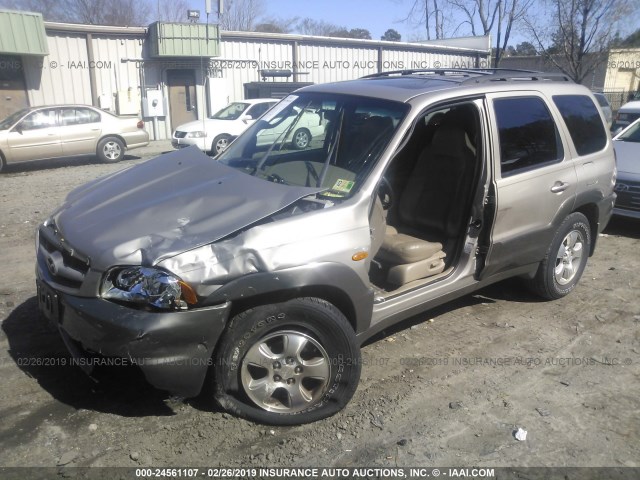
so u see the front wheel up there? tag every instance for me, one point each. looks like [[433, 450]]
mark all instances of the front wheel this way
[[562, 267], [287, 364], [301, 138], [220, 144], [110, 150]]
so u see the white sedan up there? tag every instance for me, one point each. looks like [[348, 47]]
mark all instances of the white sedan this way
[[214, 133]]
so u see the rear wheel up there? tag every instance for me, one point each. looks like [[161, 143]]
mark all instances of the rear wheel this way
[[110, 150], [566, 259], [288, 363], [3, 163]]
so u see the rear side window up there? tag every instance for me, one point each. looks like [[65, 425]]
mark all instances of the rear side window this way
[[528, 135], [78, 116], [583, 121]]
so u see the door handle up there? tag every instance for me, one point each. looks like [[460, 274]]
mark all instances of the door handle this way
[[559, 187]]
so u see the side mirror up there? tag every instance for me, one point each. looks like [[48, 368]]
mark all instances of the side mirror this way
[[246, 118]]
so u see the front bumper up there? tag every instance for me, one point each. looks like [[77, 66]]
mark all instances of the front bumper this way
[[173, 349], [201, 143]]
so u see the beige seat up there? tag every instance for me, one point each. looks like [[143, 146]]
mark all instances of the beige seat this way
[[431, 210]]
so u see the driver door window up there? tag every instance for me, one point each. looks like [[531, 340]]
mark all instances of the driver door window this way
[[37, 136]]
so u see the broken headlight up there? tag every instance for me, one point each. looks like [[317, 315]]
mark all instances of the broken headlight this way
[[148, 287]]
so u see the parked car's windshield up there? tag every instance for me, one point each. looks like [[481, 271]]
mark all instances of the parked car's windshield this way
[[11, 119], [231, 111], [317, 140], [631, 134]]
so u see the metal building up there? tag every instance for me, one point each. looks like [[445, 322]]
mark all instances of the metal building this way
[[171, 73]]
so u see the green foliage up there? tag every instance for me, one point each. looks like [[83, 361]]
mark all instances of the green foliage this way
[[391, 35]]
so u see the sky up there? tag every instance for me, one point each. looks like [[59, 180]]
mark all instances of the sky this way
[[377, 16]]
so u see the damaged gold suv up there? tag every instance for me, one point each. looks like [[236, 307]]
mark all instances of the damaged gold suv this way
[[273, 264]]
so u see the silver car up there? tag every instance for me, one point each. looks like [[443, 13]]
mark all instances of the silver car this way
[[627, 146], [269, 267], [68, 130]]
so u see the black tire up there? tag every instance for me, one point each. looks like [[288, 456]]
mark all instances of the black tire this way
[[256, 348], [301, 139], [3, 163], [220, 143], [110, 150], [566, 258]]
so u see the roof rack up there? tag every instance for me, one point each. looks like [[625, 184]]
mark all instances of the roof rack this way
[[478, 75]]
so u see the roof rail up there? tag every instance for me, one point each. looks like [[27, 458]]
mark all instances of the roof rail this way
[[519, 75], [478, 75]]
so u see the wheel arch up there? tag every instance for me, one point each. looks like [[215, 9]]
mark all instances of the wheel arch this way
[[333, 282], [331, 294], [591, 211], [112, 135]]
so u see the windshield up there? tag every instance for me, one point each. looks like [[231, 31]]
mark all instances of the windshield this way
[[231, 111], [317, 140], [13, 118], [632, 134]]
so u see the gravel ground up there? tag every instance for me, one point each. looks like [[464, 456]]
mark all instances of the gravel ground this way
[[448, 388]]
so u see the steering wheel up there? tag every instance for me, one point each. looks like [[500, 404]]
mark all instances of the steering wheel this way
[[385, 192]]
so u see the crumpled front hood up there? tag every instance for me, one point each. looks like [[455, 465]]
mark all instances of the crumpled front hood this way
[[166, 206]]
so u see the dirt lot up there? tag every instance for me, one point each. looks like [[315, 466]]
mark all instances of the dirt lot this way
[[448, 388]]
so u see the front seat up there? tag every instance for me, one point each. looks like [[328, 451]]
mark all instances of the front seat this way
[[431, 209]]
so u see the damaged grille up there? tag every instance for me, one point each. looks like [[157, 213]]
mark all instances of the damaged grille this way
[[66, 265], [180, 134]]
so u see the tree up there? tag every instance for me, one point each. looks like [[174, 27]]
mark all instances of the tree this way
[[632, 40], [361, 33], [112, 12], [277, 25], [525, 49], [241, 15], [52, 10], [391, 35], [172, 10], [93, 12], [495, 17], [309, 26], [431, 13], [578, 36]]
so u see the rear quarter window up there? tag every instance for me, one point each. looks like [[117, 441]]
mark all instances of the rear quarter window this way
[[528, 135], [583, 120]]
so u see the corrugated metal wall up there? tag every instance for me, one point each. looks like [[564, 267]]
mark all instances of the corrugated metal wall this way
[[334, 63], [57, 78], [241, 60], [112, 74]]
